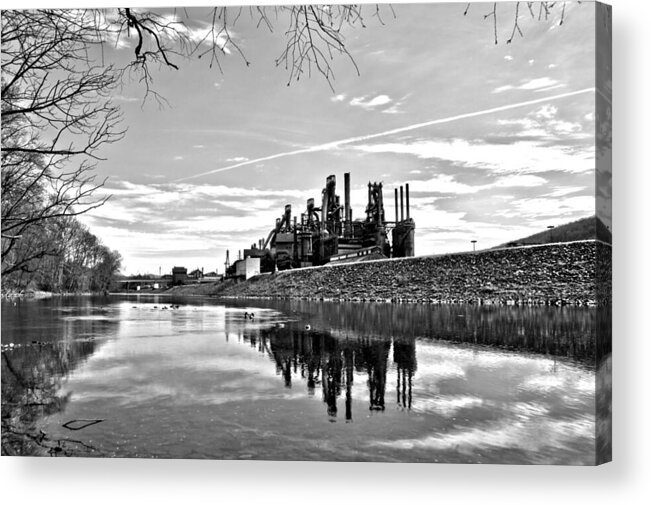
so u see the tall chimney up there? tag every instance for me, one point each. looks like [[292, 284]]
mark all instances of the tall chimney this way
[[347, 196], [380, 204], [407, 199], [402, 206], [396, 194], [369, 200]]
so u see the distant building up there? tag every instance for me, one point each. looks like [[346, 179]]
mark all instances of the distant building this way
[[179, 275], [196, 274], [247, 268]]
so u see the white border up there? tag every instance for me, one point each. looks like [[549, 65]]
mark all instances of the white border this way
[[626, 480]]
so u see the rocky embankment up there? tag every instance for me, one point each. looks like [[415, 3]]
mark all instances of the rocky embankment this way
[[563, 273]]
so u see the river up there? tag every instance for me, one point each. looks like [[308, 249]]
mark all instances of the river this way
[[157, 377]]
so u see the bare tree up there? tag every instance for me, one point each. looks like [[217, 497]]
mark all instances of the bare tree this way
[[314, 35], [541, 11], [57, 111], [56, 115]]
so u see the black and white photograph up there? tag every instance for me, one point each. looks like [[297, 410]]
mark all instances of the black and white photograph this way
[[318, 233]]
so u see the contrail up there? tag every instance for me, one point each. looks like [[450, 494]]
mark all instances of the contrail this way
[[351, 140]]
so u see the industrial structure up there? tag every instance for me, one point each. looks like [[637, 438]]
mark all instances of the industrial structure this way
[[329, 234]]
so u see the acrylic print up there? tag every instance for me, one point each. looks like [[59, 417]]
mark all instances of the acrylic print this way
[[320, 233]]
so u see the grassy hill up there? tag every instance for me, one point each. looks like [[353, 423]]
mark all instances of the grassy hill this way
[[583, 229]]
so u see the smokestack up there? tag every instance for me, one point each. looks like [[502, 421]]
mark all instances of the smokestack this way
[[380, 204], [347, 196], [369, 192], [407, 199], [402, 206], [288, 216], [396, 194]]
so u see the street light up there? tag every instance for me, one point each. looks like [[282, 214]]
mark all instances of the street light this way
[[551, 237], [473, 245]]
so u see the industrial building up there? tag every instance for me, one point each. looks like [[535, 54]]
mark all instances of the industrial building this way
[[329, 233]]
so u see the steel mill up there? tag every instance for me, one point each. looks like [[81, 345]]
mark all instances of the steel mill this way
[[329, 234]]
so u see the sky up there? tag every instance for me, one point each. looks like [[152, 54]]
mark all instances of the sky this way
[[496, 141]]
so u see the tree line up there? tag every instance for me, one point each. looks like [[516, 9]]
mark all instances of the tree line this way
[[61, 256]]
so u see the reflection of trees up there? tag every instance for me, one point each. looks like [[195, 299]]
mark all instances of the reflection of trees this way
[[32, 376], [557, 331], [51, 347]]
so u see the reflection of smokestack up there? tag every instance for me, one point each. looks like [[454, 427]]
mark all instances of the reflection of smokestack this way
[[396, 194], [347, 196], [407, 199], [402, 206]]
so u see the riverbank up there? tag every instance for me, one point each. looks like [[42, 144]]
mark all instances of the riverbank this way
[[44, 294], [576, 273]]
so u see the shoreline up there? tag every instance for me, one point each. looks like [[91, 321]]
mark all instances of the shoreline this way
[[37, 295]]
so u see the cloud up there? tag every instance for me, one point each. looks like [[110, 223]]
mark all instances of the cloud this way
[[178, 158], [394, 109], [540, 83], [501, 89], [537, 85], [557, 209], [338, 98], [372, 103], [547, 111], [237, 159], [150, 220], [122, 98], [543, 123], [443, 184], [527, 157], [362, 138], [198, 32]]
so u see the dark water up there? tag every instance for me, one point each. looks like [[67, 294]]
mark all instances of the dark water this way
[[301, 381]]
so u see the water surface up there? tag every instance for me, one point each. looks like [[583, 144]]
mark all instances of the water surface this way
[[299, 381]]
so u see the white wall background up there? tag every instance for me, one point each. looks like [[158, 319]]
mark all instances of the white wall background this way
[[71, 481]]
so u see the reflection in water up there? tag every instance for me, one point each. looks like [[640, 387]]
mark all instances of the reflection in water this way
[[556, 331], [320, 359], [416, 383], [32, 377], [52, 338], [404, 355]]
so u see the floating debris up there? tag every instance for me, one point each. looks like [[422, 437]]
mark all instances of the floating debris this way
[[80, 424]]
